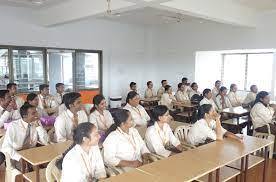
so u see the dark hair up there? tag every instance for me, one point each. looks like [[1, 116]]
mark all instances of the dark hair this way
[[193, 84], [42, 86], [3, 93], [132, 84], [179, 85], [131, 95], [70, 98], [203, 109], [59, 84], [206, 91], [163, 81], [120, 116], [96, 101], [82, 130], [31, 97], [9, 85], [184, 79], [218, 81], [167, 87], [222, 89], [232, 86], [261, 95], [157, 111], [148, 83], [252, 86], [24, 109]]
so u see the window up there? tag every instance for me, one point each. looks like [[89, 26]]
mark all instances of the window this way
[[28, 69], [4, 68]]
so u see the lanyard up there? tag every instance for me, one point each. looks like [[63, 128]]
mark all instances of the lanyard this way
[[130, 140], [137, 111], [161, 134], [103, 121]]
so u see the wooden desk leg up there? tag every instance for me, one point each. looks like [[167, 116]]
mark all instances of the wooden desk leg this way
[[242, 167], [265, 164], [210, 177], [36, 169], [246, 168], [238, 123], [218, 175]]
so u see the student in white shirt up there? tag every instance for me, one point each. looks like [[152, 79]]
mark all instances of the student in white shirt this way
[[251, 96], [33, 100], [133, 86], [82, 161], [8, 108], [208, 99], [208, 127], [187, 87], [159, 136], [215, 90], [123, 146], [167, 98], [262, 114], [161, 90], [68, 120], [181, 95], [60, 92], [24, 133], [99, 116], [12, 88], [232, 95], [194, 90], [139, 114], [47, 101], [150, 93], [222, 100]]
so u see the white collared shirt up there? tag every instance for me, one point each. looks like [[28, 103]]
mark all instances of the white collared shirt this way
[[160, 92], [77, 162], [250, 98], [64, 125], [6, 116], [102, 122], [200, 131], [122, 146], [215, 92], [49, 100], [181, 96], [58, 98], [192, 93], [233, 98], [149, 93], [208, 101], [19, 101], [219, 102], [15, 136], [157, 138], [167, 100], [138, 114], [261, 115]]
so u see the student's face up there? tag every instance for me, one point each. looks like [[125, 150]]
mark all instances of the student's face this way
[[224, 92], [7, 100], [150, 85], [102, 105], [165, 83], [195, 87], [166, 118], [34, 102], [266, 100], [135, 101], [94, 137], [185, 82], [13, 90], [182, 88], [170, 90], [235, 88], [212, 114], [60, 89], [134, 87], [255, 89], [209, 95], [218, 85], [32, 115], [77, 105], [129, 122], [45, 91]]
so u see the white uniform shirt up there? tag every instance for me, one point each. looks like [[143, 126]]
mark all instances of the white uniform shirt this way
[[122, 146], [208, 101], [261, 115], [215, 92], [149, 93], [6, 116], [138, 114], [102, 122], [181, 96], [250, 97], [160, 92], [19, 101], [78, 165], [64, 125], [233, 98], [157, 138], [200, 131], [192, 93], [167, 100], [15, 136], [49, 100], [219, 102], [58, 98]]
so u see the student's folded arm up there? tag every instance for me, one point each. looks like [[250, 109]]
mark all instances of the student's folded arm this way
[[3, 118], [175, 142], [60, 130], [157, 145], [42, 135]]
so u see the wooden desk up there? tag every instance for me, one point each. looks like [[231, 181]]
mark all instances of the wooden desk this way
[[153, 99], [42, 155], [189, 107]]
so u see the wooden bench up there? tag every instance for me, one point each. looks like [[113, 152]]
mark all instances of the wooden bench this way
[[31, 176]]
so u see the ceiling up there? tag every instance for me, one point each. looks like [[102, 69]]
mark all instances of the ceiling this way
[[31, 3]]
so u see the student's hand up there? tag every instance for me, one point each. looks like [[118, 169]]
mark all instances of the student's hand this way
[[75, 120], [9, 107], [146, 158], [240, 138], [179, 147], [136, 164]]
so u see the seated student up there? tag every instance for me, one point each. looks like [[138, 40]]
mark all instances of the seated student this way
[[8, 108], [262, 114], [232, 95], [150, 93], [159, 136], [132, 87], [161, 90], [207, 99], [24, 133], [82, 161], [167, 98], [123, 146], [222, 100], [60, 92], [70, 118], [181, 95], [208, 127], [12, 88], [33, 100], [251, 96], [215, 90], [139, 114], [99, 116], [46, 101], [187, 87], [194, 90]]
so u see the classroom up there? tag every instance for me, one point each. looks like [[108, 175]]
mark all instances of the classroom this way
[[137, 90]]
